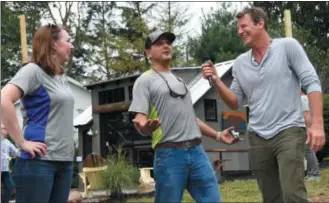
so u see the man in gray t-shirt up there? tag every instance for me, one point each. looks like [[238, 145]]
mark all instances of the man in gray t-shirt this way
[[178, 122], [164, 108], [269, 77]]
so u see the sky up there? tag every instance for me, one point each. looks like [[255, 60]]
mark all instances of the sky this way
[[195, 8]]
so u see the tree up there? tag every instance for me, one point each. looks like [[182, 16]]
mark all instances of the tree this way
[[115, 42], [317, 56], [219, 37], [99, 41], [34, 12], [71, 20], [313, 16], [135, 30], [115, 35], [173, 17], [10, 39], [10, 32], [64, 10]]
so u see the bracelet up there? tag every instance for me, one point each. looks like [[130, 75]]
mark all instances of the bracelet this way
[[218, 135]]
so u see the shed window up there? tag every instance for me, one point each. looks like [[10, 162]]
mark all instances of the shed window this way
[[210, 108], [111, 96]]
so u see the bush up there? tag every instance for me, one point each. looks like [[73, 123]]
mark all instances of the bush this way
[[120, 174], [325, 150]]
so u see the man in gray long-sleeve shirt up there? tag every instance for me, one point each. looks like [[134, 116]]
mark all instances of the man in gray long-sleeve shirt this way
[[269, 78]]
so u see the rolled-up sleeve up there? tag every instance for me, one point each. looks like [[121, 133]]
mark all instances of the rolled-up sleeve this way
[[302, 66]]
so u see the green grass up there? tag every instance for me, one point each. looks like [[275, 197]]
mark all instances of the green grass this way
[[247, 190]]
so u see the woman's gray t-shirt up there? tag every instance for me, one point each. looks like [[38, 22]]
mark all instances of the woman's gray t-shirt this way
[[47, 108]]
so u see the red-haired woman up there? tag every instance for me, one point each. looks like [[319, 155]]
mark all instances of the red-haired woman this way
[[43, 171]]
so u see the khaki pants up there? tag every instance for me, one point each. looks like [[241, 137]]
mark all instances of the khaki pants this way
[[278, 165]]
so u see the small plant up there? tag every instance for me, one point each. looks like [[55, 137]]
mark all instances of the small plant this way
[[119, 175]]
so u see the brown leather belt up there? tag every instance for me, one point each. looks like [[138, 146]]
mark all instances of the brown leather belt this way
[[183, 144]]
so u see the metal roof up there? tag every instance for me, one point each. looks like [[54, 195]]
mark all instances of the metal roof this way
[[112, 80], [136, 75], [84, 118], [198, 87]]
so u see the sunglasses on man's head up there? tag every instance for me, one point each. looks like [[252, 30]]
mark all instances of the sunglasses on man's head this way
[[171, 92], [51, 26]]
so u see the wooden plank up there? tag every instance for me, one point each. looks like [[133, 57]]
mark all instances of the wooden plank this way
[[227, 150], [287, 23], [106, 108], [23, 38]]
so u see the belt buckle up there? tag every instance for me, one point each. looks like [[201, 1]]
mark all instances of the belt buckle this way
[[188, 144]]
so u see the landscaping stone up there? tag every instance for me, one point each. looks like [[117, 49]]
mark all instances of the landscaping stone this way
[[75, 196]]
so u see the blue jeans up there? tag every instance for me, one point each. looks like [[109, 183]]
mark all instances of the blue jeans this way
[[8, 186], [42, 181], [177, 169]]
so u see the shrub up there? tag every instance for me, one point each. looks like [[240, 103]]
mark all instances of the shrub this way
[[120, 174]]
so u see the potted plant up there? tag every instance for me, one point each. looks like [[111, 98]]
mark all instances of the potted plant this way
[[119, 175]]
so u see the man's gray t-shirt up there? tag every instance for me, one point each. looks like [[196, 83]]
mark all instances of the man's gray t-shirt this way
[[47, 108], [151, 97], [272, 88]]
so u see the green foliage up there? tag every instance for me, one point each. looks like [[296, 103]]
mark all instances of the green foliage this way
[[72, 21], [325, 150], [173, 17], [135, 31], [109, 36], [120, 174], [312, 15], [326, 113], [318, 57], [33, 12], [10, 41], [116, 41], [219, 37]]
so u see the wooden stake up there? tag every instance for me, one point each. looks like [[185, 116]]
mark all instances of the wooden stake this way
[[119, 106], [23, 38], [287, 23]]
